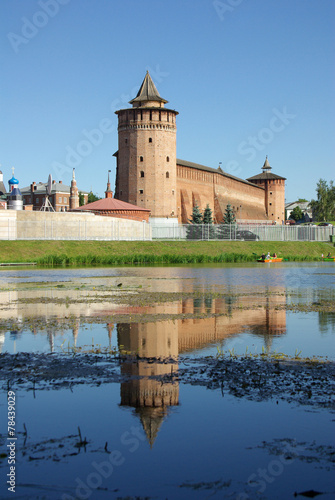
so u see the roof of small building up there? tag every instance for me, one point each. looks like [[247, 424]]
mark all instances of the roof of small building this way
[[304, 205], [110, 204], [147, 91], [56, 187], [15, 192]]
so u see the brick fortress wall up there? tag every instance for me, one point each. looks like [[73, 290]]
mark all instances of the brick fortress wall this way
[[196, 186]]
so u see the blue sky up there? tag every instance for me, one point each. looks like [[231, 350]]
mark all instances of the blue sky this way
[[249, 78]]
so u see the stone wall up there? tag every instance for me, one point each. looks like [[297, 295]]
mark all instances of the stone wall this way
[[22, 225], [216, 189]]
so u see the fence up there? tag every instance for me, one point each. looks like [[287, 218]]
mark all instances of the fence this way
[[242, 232], [106, 228], [99, 228]]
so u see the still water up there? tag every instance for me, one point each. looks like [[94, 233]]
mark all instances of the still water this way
[[252, 311], [198, 443]]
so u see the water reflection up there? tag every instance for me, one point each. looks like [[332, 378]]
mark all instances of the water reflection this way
[[143, 391], [205, 320]]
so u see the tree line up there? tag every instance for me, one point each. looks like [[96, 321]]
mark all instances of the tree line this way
[[323, 208], [201, 225]]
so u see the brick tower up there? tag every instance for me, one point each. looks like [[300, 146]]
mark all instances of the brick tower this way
[[274, 196], [74, 195], [146, 158]]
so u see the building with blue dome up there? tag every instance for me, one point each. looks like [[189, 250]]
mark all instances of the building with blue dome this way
[[13, 182], [14, 198]]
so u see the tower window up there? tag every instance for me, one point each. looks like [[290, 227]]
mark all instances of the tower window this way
[[167, 158], [167, 175], [126, 140], [141, 191], [150, 139], [141, 158], [141, 173]]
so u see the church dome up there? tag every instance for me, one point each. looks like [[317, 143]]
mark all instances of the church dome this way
[[13, 181]]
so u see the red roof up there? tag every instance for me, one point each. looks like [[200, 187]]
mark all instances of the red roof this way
[[111, 204]]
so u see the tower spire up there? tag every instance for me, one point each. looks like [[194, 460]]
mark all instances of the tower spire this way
[[147, 93], [266, 167], [108, 192]]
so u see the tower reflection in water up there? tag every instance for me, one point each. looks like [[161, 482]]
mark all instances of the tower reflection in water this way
[[149, 396], [155, 348]]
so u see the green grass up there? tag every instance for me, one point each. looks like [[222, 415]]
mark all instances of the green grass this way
[[94, 253]]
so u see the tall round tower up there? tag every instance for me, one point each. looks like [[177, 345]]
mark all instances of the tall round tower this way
[[74, 194], [274, 195], [146, 158]]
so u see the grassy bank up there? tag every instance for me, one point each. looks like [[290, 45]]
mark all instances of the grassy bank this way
[[155, 252]]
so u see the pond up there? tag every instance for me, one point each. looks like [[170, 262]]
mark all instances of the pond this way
[[169, 382]]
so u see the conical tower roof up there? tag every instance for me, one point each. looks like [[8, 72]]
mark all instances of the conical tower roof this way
[[147, 92], [151, 419], [266, 165], [266, 173]]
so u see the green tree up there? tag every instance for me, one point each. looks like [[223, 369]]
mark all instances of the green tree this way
[[207, 217], [227, 229], [92, 197], [229, 216], [194, 228], [324, 206], [207, 220], [297, 214], [81, 199]]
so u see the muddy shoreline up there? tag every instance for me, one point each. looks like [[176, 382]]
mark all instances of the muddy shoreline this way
[[301, 382]]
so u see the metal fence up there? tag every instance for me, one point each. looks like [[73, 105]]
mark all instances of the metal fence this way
[[242, 232]]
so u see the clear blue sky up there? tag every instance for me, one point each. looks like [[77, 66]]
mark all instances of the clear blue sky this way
[[249, 78]]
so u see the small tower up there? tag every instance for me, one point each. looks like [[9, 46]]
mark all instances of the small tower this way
[[15, 201], [108, 192], [274, 196], [74, 196], [146, 158], [13, 182], [2, 186]]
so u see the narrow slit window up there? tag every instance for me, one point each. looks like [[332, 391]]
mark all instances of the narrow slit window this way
[[141, 173], [167, 175]]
